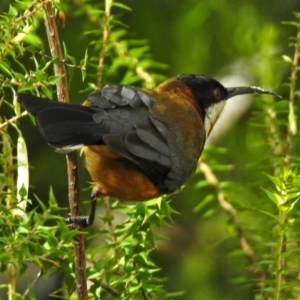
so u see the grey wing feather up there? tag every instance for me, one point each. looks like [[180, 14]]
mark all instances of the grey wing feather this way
[[136, 146], [153, 141], [160, 126], [120, 95]]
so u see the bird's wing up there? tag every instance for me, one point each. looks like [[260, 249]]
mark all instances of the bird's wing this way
[[129, 129], [113, 95]]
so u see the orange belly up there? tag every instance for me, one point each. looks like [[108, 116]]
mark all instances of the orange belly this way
[[114, 175]]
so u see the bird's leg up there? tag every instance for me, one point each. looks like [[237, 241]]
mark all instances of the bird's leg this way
[[85, 221]]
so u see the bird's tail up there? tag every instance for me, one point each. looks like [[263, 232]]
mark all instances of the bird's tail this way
[[64, 126]]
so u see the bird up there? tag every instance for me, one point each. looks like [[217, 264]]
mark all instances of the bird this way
[[138, 143]]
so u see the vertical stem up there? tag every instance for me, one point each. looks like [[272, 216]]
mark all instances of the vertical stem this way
[[292, 97], [283, 215], [63, 95], [7, 170], [11, 271], [105, 35], [278, 254]]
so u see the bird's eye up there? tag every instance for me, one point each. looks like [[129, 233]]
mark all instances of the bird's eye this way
[[217, 94]]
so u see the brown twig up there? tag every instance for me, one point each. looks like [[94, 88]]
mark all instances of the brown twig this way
[[232, 214], [13, 119], [63, 95], [229, 209], [105, 36]]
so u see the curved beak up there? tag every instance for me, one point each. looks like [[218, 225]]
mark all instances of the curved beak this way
[[241, 90]]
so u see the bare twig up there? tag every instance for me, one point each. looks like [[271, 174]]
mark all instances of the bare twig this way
[[63, 95], [229, 209], [105, 36], [56, 52], [32, 284], [13, 119], [231, 212]]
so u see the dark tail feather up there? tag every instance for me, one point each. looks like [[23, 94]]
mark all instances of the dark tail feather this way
[[63, 125], [35, 104]]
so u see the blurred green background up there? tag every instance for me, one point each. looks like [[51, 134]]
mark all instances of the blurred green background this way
[[221, 39]]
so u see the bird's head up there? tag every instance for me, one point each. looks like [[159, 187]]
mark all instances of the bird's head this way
[[211, 95]]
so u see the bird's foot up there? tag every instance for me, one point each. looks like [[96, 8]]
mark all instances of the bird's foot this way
[[83, 221]]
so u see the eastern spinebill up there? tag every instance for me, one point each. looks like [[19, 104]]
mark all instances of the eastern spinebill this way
[[138, 143]]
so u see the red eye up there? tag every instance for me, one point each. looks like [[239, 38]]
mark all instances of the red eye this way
[[217, 94]]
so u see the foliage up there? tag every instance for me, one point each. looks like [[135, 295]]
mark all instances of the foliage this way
[[270, 241], [252, 181], [124, 270]]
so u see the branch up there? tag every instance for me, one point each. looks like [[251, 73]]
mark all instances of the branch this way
[[229, 209], [13, 119], [105, 35], [294, 71], [63, 95]]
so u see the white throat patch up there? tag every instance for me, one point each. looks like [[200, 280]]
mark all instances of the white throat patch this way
[[212, 114]]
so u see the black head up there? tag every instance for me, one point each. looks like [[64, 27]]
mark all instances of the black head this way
[[207, 91], [211, 95]]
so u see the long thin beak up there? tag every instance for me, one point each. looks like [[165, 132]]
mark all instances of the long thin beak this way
[[241, 90]]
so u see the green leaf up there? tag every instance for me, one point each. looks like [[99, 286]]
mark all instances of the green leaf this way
[[277, 181], [12, 11], [121, 5], [83, 65], [5, 66], [274, 197], [292, 120], [54, 79], [287, 59], [207, 200]]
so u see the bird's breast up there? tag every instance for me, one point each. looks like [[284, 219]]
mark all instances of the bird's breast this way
[[116, 176]]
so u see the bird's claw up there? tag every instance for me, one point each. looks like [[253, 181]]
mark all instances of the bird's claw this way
[[83, 221]]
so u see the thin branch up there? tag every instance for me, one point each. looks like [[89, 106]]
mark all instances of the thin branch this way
[[12, 279], [294, 71], [105, 36], [102, 54], [279, 260], [63, 95], [13, 119], [32, 284], [56, 52], [229, 209], [232, 214]]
